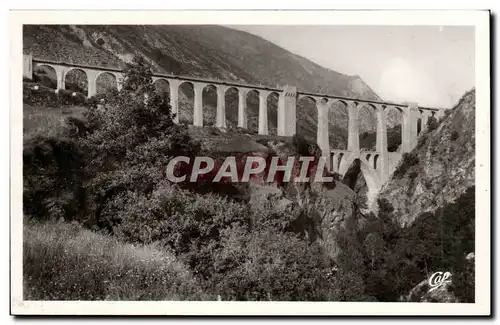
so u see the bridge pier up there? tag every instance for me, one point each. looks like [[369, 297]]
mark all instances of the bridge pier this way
[[198, 104], [92, 83], [220, 121], [414, 115], [263, 127], [353, 132], [281, 115], [174, 98], [383, 159], [242, 108], [322, 138], [28, 66], [287, 106], [409, 129], [423, 121], [92, 89], [61, 77], [119, 81], [334, 162], [290, 94], [440, 114]]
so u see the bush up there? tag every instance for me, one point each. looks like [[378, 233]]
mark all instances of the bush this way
[[422, 141], [238, 252], [273, 266], [408, 160], [53, 178], [44, 96], [303, 147], [436, 241], [432, 123]]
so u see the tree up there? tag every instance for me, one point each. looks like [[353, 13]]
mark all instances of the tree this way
[[432, 123], [374, 245], [130, 143], [138, 76]]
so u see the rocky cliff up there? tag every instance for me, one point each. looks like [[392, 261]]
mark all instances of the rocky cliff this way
[[441, 167]]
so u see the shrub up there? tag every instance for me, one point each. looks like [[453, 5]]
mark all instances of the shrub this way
[[408, 160], [45, 80], [53, 178], [422, 141], [238, 252], [47, 97], [432, 123], [436, 241], [271, 265], [413, 175], [303, 147]]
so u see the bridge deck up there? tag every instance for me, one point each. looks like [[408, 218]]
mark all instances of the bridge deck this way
[[228, 83]]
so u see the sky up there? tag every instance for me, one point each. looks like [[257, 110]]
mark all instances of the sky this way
[[430, 65]]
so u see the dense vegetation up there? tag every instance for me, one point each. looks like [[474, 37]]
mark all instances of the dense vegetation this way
[[65, 261], [99, 210], [108, 177], [400, 258]]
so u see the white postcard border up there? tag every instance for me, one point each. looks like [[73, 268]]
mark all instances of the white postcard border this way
[[479, 19]]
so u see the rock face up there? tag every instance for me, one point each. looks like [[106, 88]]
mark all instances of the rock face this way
[[442, 167], [444, 293], [421, 293]]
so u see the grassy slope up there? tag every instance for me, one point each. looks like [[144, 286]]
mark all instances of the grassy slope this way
[[45, 120], [65, 261]]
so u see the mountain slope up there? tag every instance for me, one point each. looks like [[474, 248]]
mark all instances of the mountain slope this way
[[205, 51], [440, 169]]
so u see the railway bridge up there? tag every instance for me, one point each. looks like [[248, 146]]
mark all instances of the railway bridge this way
[[376, 166]]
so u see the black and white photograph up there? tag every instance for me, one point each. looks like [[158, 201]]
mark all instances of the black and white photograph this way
[[327, 157]]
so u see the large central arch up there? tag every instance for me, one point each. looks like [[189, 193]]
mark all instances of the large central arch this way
[[368, 171]]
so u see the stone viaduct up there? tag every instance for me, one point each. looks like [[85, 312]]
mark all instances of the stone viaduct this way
[[376, 166]]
